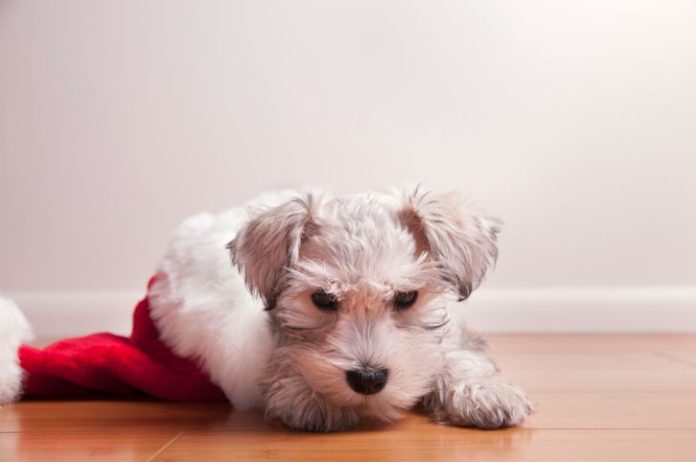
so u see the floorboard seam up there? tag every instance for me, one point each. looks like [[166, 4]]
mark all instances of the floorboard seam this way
[[683, 362], [164, 448]]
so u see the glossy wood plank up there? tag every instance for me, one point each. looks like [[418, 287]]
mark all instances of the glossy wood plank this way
[[587, 361], [87, 416], [614, 410], [599, 398], [591, 343], [441, 444], [609, 380], [686, 358], [104, 444], [605, 372]]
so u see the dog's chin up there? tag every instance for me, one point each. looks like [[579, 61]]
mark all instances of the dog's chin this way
[[383, 409], [384, 406]]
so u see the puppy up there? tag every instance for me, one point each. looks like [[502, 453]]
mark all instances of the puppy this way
[[335, 309]]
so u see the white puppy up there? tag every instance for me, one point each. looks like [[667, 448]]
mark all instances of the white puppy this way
[[336, 309]]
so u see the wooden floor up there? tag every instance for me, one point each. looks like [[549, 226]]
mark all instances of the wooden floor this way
[[613, 398]]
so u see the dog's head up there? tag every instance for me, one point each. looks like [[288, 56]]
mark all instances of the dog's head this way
[[357, 288]]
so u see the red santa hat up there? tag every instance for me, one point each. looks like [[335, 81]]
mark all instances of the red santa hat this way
[[98, 365]]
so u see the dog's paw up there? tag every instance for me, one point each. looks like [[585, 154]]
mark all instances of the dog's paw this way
[[316, 417], [486, 405], [294, 403]]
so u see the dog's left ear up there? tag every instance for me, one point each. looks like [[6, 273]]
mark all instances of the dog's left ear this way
[[461, 240], [270, 243]]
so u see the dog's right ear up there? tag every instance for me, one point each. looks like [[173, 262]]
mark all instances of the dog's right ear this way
[[269, 243], [461, 240]]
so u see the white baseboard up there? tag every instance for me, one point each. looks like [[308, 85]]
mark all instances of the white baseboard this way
[[582, 309]]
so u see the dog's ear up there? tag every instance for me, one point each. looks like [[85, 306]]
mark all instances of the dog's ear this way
[[269, 243], [461, 240]]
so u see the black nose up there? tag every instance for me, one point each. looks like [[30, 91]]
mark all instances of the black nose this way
[[367, 380]]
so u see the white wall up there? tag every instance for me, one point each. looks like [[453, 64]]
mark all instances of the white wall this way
[[575, 121]]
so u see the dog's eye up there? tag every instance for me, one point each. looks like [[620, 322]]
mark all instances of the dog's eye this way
[[403, 300], [324, 300]]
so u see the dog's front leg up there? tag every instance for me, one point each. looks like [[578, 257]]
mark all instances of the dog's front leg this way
[[290, 399], [470, 393]]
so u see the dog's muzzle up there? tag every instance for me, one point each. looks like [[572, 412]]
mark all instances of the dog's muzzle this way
[[367, 380]]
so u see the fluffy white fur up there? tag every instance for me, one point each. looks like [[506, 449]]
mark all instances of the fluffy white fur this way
[[254, 328], [14, 330], [204, 311]]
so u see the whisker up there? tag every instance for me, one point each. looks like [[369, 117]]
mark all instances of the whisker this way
[[436, 326]]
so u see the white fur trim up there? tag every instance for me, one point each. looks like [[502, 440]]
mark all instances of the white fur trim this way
[[203, 310], [14, 329]]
